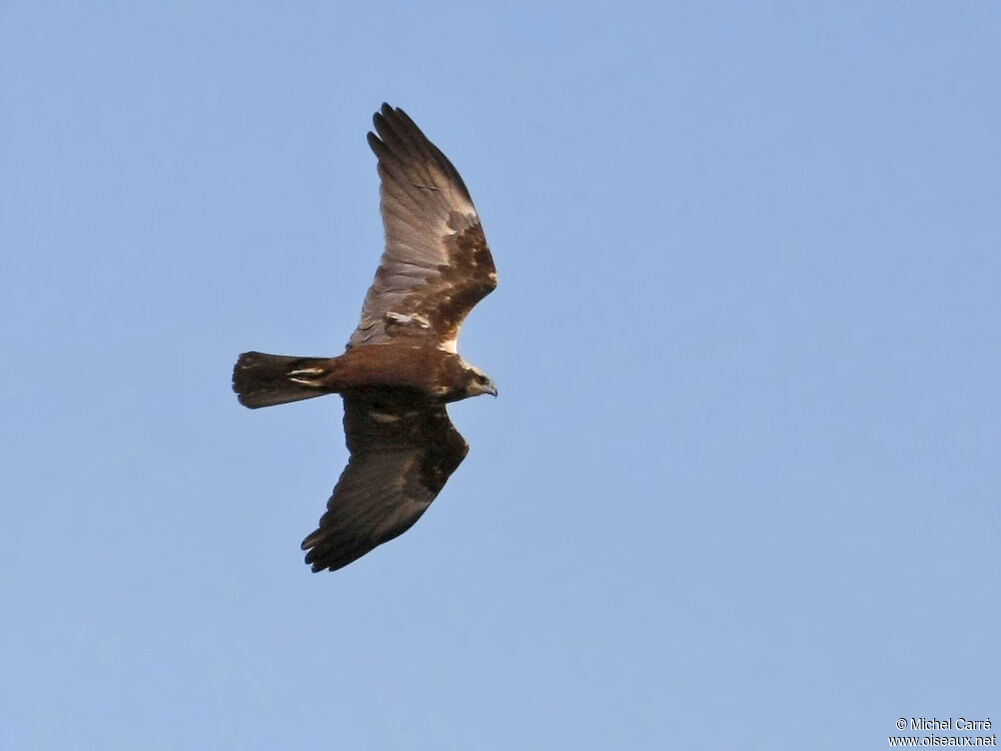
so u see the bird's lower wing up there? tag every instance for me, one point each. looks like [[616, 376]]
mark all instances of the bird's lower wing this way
[[400, 460]]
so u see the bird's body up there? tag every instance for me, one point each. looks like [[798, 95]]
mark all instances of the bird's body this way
[[401, 365], [405, 370]]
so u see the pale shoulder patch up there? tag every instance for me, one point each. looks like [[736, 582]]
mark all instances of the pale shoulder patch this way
[[402, 319], [450, 345]]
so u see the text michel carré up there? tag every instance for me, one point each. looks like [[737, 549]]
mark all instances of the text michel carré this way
[[960, 723]]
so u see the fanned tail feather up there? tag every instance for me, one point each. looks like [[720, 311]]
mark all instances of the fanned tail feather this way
[[262, 380]]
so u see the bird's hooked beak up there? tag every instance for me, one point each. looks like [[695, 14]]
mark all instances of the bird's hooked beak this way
[[482, 385], [479, 382]]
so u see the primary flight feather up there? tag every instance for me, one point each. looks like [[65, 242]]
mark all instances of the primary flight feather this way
[[401, 365]]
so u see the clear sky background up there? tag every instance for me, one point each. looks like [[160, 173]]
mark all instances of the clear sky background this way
[[739, 490]]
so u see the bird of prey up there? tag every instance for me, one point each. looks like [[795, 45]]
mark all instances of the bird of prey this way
[[401, 366]]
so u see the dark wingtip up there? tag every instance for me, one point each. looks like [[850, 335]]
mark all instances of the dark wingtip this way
[[310, 541], [316, 565], [389, 114]]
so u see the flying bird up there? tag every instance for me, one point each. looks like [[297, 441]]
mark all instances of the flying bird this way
[[401, 365]]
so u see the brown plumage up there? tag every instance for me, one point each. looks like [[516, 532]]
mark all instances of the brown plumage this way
[[401, 365]]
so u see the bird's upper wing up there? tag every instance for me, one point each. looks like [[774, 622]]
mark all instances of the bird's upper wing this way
[[436, 265], [400, 460]]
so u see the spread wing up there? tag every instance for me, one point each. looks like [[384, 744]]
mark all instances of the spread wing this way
[[436, 265], [400, 460]]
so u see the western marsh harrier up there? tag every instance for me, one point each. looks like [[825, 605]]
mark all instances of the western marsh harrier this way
[[401, 366]]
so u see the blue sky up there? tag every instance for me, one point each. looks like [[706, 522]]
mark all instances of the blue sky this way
[[741, 485]]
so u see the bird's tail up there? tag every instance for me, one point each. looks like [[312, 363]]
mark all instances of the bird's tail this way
[[261, 380]]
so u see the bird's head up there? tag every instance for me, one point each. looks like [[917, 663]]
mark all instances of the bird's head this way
[[478, 382]]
